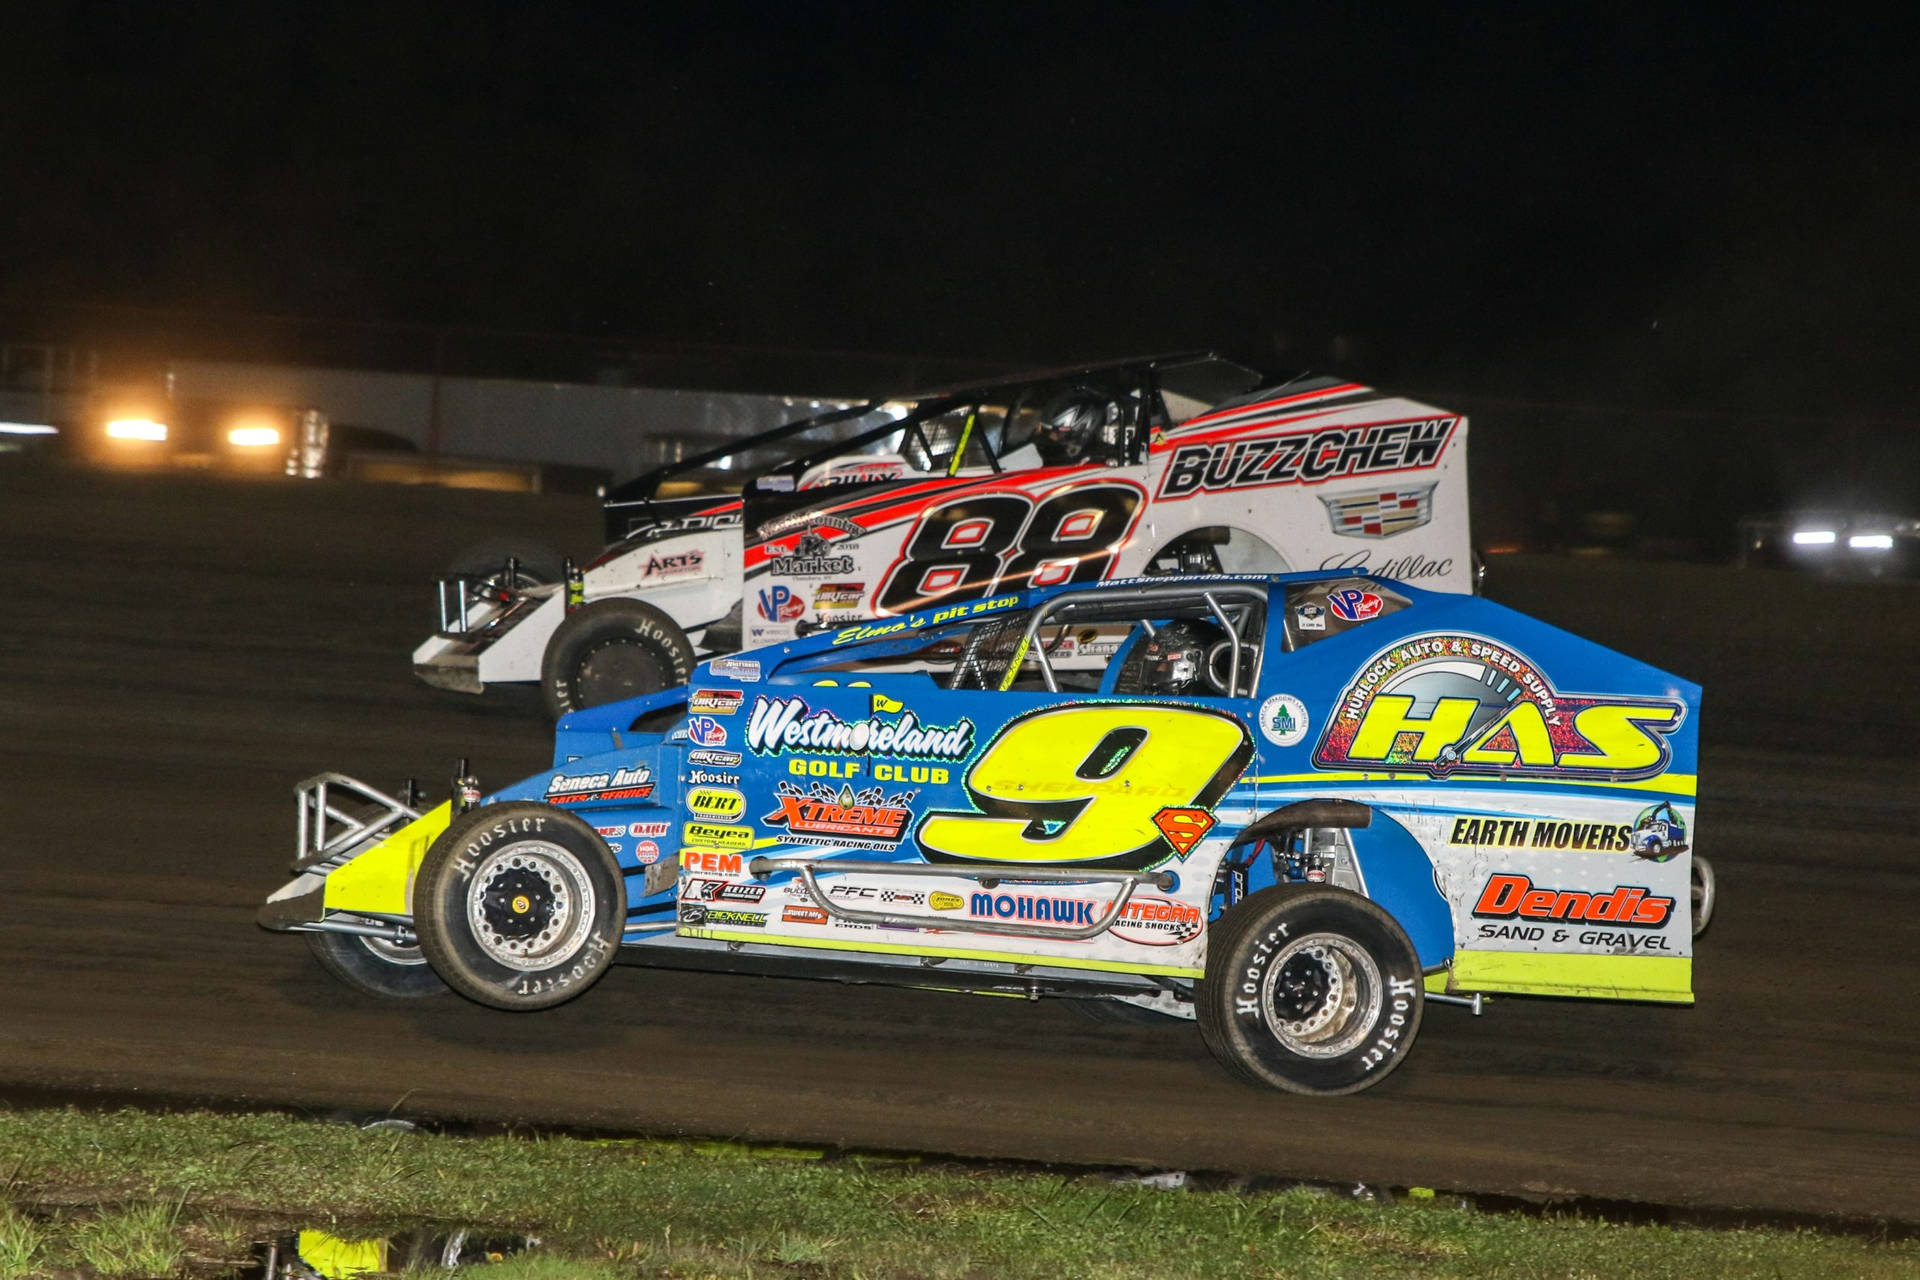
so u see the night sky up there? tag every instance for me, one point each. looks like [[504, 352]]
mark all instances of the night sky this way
[[1668, 208]]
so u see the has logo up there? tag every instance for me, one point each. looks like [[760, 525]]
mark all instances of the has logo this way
[[635, 783], [1379, 513], [1183, 828], [1634, 906], [721, 702], [1460, 705], [1306, 457], [705, 731], [1352, 604], [779, 603], [820, 815], [686, 562]]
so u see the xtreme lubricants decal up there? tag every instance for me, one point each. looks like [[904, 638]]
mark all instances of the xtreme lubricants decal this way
[[1306, 457], [868, 819], [1459, 705], [789, 724]]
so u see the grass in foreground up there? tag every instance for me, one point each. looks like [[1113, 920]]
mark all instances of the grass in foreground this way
[[129, 1193]]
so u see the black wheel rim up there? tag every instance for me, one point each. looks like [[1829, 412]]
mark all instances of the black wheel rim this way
[[615, 668]]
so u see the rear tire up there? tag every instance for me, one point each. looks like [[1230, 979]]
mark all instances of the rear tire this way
[[610, 650], [519, 906], [1309, 989], [376, 968]]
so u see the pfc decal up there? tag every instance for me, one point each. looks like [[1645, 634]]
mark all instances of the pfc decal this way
[[803, 915], [1158, 922], [1379, 513], [1459, 705], [714, 759], [745, 670], [685, 562], [1541, 833], [1283, 717], [869, 819], [715, 835], [1306, 457], [635, 783], [722, 804], [1351, 604], [705, 731], [712, 862], [1659, 833], [720, 702], [1508, 896], [788, 724], [778, 603]]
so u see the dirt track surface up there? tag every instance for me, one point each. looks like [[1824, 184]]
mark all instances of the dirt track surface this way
[[175, 654]]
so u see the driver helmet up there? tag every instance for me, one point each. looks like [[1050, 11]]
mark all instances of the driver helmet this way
[[1072, 426], [1176, 659]]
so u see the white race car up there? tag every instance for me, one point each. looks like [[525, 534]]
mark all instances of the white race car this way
[[1169, 464]]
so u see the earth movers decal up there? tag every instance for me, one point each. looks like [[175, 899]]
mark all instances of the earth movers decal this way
[[1463, 706]]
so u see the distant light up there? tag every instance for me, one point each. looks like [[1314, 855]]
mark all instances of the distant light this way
[[27, 429], [137, 429], [253, 437], [1813, 538], [1871, 542]]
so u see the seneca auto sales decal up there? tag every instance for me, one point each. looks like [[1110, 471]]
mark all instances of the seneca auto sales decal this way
[[635, 783], [1463, 706]]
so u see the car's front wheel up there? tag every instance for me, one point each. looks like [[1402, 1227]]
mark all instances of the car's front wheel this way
[[1309, 989], [376, 967], [613, 649], [519, 906]]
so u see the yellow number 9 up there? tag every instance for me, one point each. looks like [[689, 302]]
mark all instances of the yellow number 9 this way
[[1081, 785]]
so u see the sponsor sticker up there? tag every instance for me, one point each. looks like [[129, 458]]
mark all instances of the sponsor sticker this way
[[717, 835], [723, 891], [722, 804], [712, 862], [714, 759], [1310, 617], [745, 670], [1352, 604], [1541, 833], [680, 565], [705, 731], [730, 918], [1158, 922], [1379, 513], [868, 819], [720, 702], [1306, 457], [1510, 896], [1283, 720], [789, 724], [1183, 827], [946, 901], [634, 783], [653, 829], [779, 603], [646, 852], [803, 915]]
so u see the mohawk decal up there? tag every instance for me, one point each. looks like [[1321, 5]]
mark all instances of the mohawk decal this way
[[1448, 705], [1307, 457]]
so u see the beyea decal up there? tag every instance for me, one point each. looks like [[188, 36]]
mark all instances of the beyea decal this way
[[722, 891], [1460, 705], [745, 670], [1541, 833], [706, 731], [722, 804], [714, 759], [1512, 896], [1158, 922], [1031, 907], [1379, 513], [869, 819], [720, 702], [717, 836], [1408, 568], [685, 562], [1283, 719], [788, 724], [778, 603], [635, 783], [1309, 456], [1353, 604]]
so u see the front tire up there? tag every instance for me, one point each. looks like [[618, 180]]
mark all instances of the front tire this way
[[1309, 989], [613, 649], [374, 967], [519, 906]]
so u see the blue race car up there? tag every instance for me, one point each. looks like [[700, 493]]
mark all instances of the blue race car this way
[[1293, 808]]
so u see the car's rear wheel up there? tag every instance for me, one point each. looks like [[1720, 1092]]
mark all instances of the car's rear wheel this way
[[376, 967], [519, 906], [1702, 892], [613, 649], [1309, 989]]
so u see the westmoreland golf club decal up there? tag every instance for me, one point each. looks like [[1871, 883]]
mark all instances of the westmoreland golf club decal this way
[[1463, 706]]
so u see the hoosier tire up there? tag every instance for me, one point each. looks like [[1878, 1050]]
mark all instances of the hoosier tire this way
[[1309, 989], [613, 649], [519, 906], [374, 967]]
